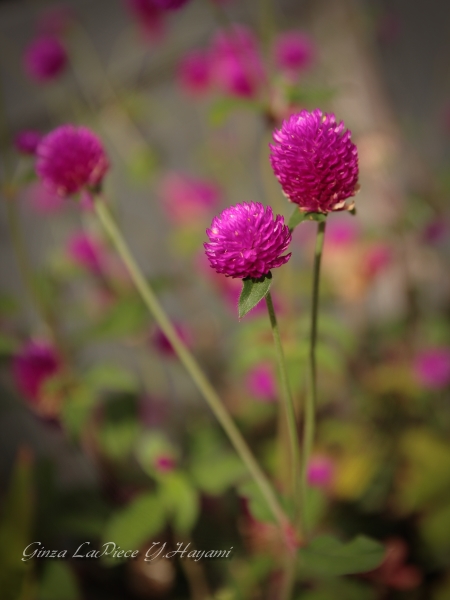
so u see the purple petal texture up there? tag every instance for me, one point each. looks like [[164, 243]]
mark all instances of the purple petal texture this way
[[246, 241], [315, 161]]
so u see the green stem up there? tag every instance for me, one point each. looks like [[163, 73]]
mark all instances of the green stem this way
[[190, 363], [311, 397], [288, 406]]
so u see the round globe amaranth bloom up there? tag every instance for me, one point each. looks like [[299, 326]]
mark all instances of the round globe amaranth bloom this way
[[45, 58], [294, 52], [320, 471], [34, 364], [236, 63], [194, 73], [27, 140], [71, 159], [315, 162], [246, 241], [432, 368]]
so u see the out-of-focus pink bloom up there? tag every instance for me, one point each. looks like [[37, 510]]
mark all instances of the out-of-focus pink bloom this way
[[394, 572], [260, 382], [194, 73], [149, 18], [294, 52], [435, 231], [341, 233], [42, 200], [163, 345], [85, 251], [236, 62], [320, 471], [432, 368], [55, 20], [376, 259], [71, 159], [165, 463], [187, 199], [27, 141], [45, 58], [36, 362]]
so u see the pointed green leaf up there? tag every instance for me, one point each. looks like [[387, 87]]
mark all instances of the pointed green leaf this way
[[58, 582], [253, 291], [181, 501], [327, 555], [135, 524]]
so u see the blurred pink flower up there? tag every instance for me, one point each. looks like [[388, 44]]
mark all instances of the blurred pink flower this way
[[44, 59], [149, 18], [260, 383], [85, 251], [320, 471], [377, 258], [42, 200], [187, 199], [36, 362], [27, 140], [162, 344], [194, 73], [435, 231], [342, 232], [165, 463], [237, 65], [432, 368], [71, 159], [55, 20], [294, 52]]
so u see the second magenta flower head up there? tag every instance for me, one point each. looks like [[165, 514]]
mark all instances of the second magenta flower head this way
[[246, 241], [315, 162]]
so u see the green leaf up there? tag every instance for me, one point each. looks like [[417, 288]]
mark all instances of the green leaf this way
[[58, 582], [128, 316], [257, 505], [110, 377], [136, 524], [181, 501], [253, 291], [216, 473], [296, 218], [340, 588], [327, 555]]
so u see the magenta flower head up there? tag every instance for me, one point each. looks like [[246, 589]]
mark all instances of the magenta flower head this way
[[194, 73], [71, 159], [432, 368], [320, 471], [27, 141], [33, 366], [236, 62], [315, 162], [246, 241], [294, 52], [44, 59]]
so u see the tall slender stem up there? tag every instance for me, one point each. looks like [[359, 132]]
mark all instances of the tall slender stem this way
[[311, 397], [190, 363], [288, 406]]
